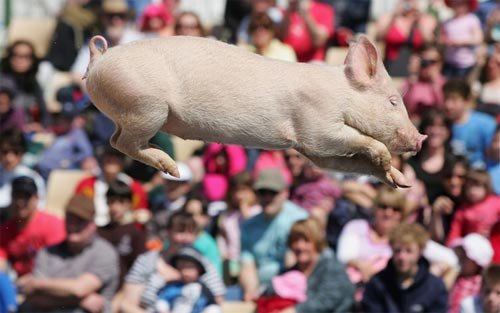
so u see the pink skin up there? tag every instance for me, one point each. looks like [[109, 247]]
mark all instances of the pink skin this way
[[455, 183], [491, 298], [189, 270], [21, 59], [405, 257], [475, 193], [305, 252]]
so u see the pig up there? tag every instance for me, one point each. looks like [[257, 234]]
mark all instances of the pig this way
[[347, 118]]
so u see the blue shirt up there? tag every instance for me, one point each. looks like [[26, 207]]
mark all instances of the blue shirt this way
[[264, 241], [473, 137]]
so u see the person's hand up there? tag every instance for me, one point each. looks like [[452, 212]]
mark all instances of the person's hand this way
[[366, 270], [93, 303], [304, 6], [168, 272], [27, 284], [249, 296], [442, 205]]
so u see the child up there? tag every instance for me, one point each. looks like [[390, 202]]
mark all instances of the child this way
[[480, 208], [188, 294], [488, 301], [474, 253]]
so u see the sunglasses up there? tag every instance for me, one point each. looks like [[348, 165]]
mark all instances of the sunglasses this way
[[428, 62], [385, 207], [111, 16], [266, 192]]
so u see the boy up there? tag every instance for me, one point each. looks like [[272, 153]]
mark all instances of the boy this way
[[488, 301]]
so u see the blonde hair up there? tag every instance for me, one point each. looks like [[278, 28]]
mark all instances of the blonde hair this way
[[390, 197], [309, 229], [409, 233]]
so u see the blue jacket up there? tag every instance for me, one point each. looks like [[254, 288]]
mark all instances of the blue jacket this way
[[383, 292]]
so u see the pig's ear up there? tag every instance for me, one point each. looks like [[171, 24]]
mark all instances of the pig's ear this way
[[362, 63]]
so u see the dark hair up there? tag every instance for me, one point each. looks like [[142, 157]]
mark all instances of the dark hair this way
[[451, 161], [261, 20], [196, 195], [29, 78], [432, 46], [457, 86], [109, 151], [119, 189], [198, 21], [429, 117], [13, 139], [25, 185], [184, 220]]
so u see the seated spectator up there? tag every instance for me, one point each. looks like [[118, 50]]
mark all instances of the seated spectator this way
[[487, 301], [461, 35], [156, 21], [151, 271], [8, 294], [188, 24], [13, 146], [472, 131], [257, 7], [128, 240], [489, 99], [264, 236], [11, 117], [21, 65], [406, 285], [474, 254], [112, 164], [328, 288], [423, 89], [73, 274], [272, 159], [307, 26], [264, 42], [70, 147], [404, 31], [295, 163], [29, 229], [480, 209], [188, 293], [493, 161]]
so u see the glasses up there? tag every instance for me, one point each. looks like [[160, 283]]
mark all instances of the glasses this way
[[428, 62], [21, 55], [111, 16], [385, 207]]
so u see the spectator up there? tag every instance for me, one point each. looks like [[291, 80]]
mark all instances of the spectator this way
[[11, 117], [423, 89], [474, 254], [493, 161], [489, 98], [12, 148], [488, 301], [263, 237], [472, 131], [429, 163], [29, 229], [271, 159], [492, 31], [406, 284], [257, 7], [480, 208], [189, 24], [188, 294], [404, 31], [151, 271], [296, 163], [307, 25], [21, 65], [264, 41], [73, 273], [127, 239], [112, 164], [8, 294], [461, 35], [156, 21]]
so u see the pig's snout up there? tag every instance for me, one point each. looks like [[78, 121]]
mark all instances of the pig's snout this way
[[420, 141], [407, 141]]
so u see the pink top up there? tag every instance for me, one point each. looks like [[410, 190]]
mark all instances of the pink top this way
[[461, 28], [463, 288], [420, 96]]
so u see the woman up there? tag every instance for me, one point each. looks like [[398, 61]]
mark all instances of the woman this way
[[189, 24], [328, 288], [490, 93]]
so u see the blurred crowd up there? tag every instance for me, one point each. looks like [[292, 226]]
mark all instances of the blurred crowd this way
[[257, 226]]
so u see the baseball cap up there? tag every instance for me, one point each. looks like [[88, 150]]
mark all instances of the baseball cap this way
[[477, 248], [25, 185], [81, 206], [185, 174], [270, 179]]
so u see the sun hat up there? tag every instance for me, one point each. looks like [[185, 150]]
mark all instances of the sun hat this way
[[476, 247], [291, 285], [270, 179], [185, 174]]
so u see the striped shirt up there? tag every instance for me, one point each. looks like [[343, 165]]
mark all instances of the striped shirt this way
[[144, 271]]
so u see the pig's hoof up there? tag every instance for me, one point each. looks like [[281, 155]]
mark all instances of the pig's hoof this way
[[169, 168], [399, 179]]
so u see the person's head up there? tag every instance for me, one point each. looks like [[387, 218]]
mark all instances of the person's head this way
[[295, 162], [119, 200], [437, 126], [407, 243], [240, 191], [115, 16], [112, 163], [271, 190], [490, 289], [474, 253], [306, 240], [454, 171], [457, 95], [21, 59], [155, 18], [24, 198], [493, 151], [261, 29], [12, 148], [461, 7], [261, 6], [408, 6], [493, 67], [177, 188], [80, 227], [477, 186], [181, 229], [188, 261], [197, 206], [189, 24], [390, 206], [8, 92], [431, 61]]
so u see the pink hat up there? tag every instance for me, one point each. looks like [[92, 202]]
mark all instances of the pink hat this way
[[155, 10], [291, 285], [477, 248]]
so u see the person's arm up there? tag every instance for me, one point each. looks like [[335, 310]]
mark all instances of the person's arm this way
[[131, 299], [373, 298], [249, 280], [319, 33], [382, 26], [79, 287], [442, 205], [456, 228], [440, 303]]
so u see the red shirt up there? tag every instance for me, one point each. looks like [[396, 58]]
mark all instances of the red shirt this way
[[298, 36], [19, 246], [495, 243], [476, 218]]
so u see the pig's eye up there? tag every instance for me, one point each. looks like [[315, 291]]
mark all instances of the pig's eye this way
[[393, 101]]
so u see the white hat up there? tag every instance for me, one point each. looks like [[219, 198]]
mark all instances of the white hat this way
[[477, 248], [185, 174]]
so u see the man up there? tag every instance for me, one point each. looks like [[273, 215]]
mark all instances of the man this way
[[78, 275], [406, 285], [29, 229], [264, 236]]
